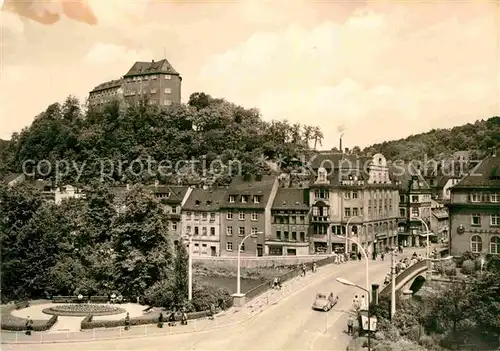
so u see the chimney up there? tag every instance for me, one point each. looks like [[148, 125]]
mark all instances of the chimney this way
[[340, 144]]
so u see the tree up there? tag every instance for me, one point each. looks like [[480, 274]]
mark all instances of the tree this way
[[142, 246], [181, 275], [317, 136]]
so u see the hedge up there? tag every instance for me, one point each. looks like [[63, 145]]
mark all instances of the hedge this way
[[89, 323], [13, 323]]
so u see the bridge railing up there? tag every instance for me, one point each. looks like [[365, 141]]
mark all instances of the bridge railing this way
[[408, 272]]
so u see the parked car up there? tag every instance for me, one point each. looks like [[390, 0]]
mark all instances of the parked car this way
[[325, 301]]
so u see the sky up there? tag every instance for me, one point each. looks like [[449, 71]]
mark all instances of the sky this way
[[377, 70]]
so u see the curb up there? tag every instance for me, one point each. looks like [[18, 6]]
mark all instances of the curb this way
[[246, 318]]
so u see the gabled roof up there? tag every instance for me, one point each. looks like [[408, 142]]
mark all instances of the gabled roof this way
[[291, 199], [241, 185], [177, 192], [440, 213], [403, 173], [153, 67], [108, 85], [204, 200], [336, 160], [485, 175]]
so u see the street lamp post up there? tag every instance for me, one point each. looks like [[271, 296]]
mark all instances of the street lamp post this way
[[365, 256], [427, 235], [348, 283], [347, 229], [238, 282]]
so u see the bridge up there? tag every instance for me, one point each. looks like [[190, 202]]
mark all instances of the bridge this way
[[412, 278]]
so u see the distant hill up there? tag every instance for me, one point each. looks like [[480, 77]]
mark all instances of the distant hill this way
[[479, 137]]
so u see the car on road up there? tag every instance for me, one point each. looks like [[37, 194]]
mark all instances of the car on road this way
[[325, 301]]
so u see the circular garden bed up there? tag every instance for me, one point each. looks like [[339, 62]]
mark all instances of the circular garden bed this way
[[83, 309]]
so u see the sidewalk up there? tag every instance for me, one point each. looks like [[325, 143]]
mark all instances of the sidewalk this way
[[232, 316]]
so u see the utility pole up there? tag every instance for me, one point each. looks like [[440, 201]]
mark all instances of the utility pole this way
[[393, 285]]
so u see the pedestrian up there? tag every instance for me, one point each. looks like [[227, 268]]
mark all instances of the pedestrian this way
[[314, 267], [303, 269], [275, 283], [355, 303], [29, 325], [382, 256], [374, 255], [350, 325], [359, 256], [127, 321]]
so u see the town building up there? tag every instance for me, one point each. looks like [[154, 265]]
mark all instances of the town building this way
[[172, 197], [414, 205], [67, 192], [440, 221], [246, 210], [353, 195], [201, 221], [156, 81], [474, 210], [290, 223]]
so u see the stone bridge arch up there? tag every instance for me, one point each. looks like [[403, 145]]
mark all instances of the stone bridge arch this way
[[413, 276]]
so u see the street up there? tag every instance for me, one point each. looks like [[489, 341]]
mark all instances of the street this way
[[290, 324]]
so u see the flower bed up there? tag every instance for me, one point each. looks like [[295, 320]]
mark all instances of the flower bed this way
[[89, 323], [83, 309], [75, 299], [13, 323]]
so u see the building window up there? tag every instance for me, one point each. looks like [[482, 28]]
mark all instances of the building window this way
[[196, 231], [204, 231], [402, 198], [229, 214], [476, 219], [188, 229], [495, 220], [494, 197], [212, 230], [212, 216], [354, 194], [414, 211], [229, 230], [168, 76], [232, 198], [196, 216], [476, 243], [244, 199], [321, 194], [475, 198], [204, 216], [241, 231], [347, 195], [254, 231], [355, 211], [495, 245], [153, 91], [242, 247], [347, 212], [168, 91], [196, 247], [153, 77], [255, 216], [174, 226], [294, 236], [315, 211], [302, 219], [285, 236], [256, 199], [414, 198], [167, 102], [302, 236], [278, 235], [241, 216], [229, 246]]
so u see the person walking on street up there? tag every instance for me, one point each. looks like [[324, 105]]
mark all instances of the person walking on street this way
[[303, 269], [29, 325], [382, 256], [350, 325], [359, 256], [127, 321]]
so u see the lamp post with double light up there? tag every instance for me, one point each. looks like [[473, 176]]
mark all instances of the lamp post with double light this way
[[427, 234], [349, 283], [240, 245]]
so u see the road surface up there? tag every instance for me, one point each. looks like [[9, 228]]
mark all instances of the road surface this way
[[290, 324]]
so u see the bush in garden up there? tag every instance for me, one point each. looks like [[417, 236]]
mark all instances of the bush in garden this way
[[161, 294], [468, 267], [204, 295], [444, 266], [451, 271]]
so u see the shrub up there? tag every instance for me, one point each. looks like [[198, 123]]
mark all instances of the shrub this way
[[466, 256], [451, 271], [160, 294], [468, 267], [13, 323], [443, 267], [204, 295], [427, 342]]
